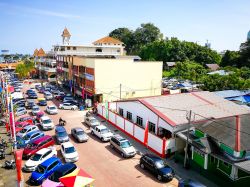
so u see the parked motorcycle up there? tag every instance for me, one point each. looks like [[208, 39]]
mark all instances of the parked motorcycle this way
[[10, 164], [2, 154], [62, 122]]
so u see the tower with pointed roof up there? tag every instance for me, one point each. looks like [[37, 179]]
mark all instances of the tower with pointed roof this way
[[65, 36]]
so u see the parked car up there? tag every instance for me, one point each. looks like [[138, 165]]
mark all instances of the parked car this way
[[30, 104], [33, 147], [19, 127], [157, 166], [69, 152], [53, 180], [24, 141], [25, 118], [30, 91], [68, 98], [24, 123], [91, 121], [60, 96], [102, 132], [42, 102], [38, 158], [68, 106], [189, 183], [32, 95], [48, 95], [44, 170], [27, 129], [123, 146], [35, 109], [39, 115], [46, 123], [79, 134], [61, 135], [20, 103], [21, 111], [52, 109]]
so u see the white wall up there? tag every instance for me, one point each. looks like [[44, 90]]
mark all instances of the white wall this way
[[138, 109]]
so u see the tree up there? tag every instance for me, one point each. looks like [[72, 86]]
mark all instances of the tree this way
[[24, 69], [230, 58], [126, 36], [245, 54]]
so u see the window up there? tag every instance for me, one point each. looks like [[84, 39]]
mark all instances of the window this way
[[68, 48], [212, 159], [129, 115], [151, 127], [74, 48], [139, 121], [120, 111], [98, 50]]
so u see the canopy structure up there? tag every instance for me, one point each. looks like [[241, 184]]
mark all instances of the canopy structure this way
[[78, 178]]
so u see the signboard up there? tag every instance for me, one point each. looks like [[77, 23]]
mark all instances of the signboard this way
[[89, 77]]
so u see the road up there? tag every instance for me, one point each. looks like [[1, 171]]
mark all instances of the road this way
[[105, 165]]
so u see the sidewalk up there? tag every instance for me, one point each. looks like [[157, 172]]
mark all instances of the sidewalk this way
[[180, 171], [7, 177]]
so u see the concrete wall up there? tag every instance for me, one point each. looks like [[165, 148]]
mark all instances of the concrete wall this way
[[137, 79]]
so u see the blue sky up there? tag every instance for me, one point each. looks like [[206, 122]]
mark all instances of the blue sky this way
[[26, 25]]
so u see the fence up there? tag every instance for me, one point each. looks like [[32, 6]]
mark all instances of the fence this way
[[155, 144]]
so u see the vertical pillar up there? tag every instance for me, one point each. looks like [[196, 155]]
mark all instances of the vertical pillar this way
[[237, 135], [164, 141], [205, 161]]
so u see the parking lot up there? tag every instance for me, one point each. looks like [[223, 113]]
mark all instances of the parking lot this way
[[104, 164]]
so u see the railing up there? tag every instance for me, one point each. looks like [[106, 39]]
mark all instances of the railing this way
[[83, 53]]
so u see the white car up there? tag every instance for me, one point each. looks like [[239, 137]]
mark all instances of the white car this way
[[46, 123], [52, 109], [27, 129], [68, 106], [39, 157], [35, 109], [48, 95], [102, 132], [21, 111], [69, 152]]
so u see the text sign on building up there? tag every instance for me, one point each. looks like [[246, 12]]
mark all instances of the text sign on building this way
[[89, 77]]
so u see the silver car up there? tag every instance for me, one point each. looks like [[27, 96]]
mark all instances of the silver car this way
[[123, 146], [21, 111], [91, 121], [79, 134]]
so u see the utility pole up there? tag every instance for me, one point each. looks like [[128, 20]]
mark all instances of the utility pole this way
[[120, 91], [186, 148]]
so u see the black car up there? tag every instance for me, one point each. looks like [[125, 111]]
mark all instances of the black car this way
[[32, 95], [30, 104], [30, 91], [42, 103], [157, 166]]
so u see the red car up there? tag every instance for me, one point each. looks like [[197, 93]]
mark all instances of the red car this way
[[43, 142], [20, 126], [25, 118]]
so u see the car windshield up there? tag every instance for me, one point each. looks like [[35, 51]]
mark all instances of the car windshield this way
[[70, 150], [52, 108], [103, 131], [125, 144], [62, 134], [160, 164], [23, 130], [27, 137], [80, 132], [40, 169], [36, 157], [93, 121], [47, 121], [55, 176], [35, 108]]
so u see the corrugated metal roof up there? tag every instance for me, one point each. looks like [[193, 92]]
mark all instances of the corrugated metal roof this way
[[231, 93], [173, 108]]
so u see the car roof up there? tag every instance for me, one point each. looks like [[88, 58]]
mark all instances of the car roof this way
[[67, 144], [44, 117], [37, 141], [49, 161], [119, 137], [153, 157], [43, 150], [33, 132], [60, 129], [51, 106], [64, 167], [77, 129], [101, 127]]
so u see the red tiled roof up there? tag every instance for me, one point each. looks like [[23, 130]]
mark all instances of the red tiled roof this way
[[213, 67], [35, 52], [107, 40], [41, 53]]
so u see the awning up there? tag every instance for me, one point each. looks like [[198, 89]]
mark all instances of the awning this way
[[245, 166]]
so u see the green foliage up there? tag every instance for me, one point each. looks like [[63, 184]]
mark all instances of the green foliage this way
[[175, 50], [135, 40], [25, 68], [230, 58]]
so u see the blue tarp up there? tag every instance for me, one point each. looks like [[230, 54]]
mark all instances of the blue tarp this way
[[231, 94], [243, 99]]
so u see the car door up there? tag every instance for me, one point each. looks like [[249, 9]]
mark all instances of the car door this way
[[151, 165], [74, 133]]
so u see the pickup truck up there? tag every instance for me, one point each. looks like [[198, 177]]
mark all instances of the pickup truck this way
[[101, 132]]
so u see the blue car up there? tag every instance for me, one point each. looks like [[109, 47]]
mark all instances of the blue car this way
[[28, 138], [44, 170], [190, 183]]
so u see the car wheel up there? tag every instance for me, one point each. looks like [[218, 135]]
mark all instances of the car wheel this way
[[159, 177], [142, 166], [122, 154], [62, 107], [92, 132], [72, 109], [102, 139]]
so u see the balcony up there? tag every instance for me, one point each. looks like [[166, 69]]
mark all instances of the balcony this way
[[83, 53], [51, 70]]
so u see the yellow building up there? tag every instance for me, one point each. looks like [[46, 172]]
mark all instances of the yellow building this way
[[111, 79]]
